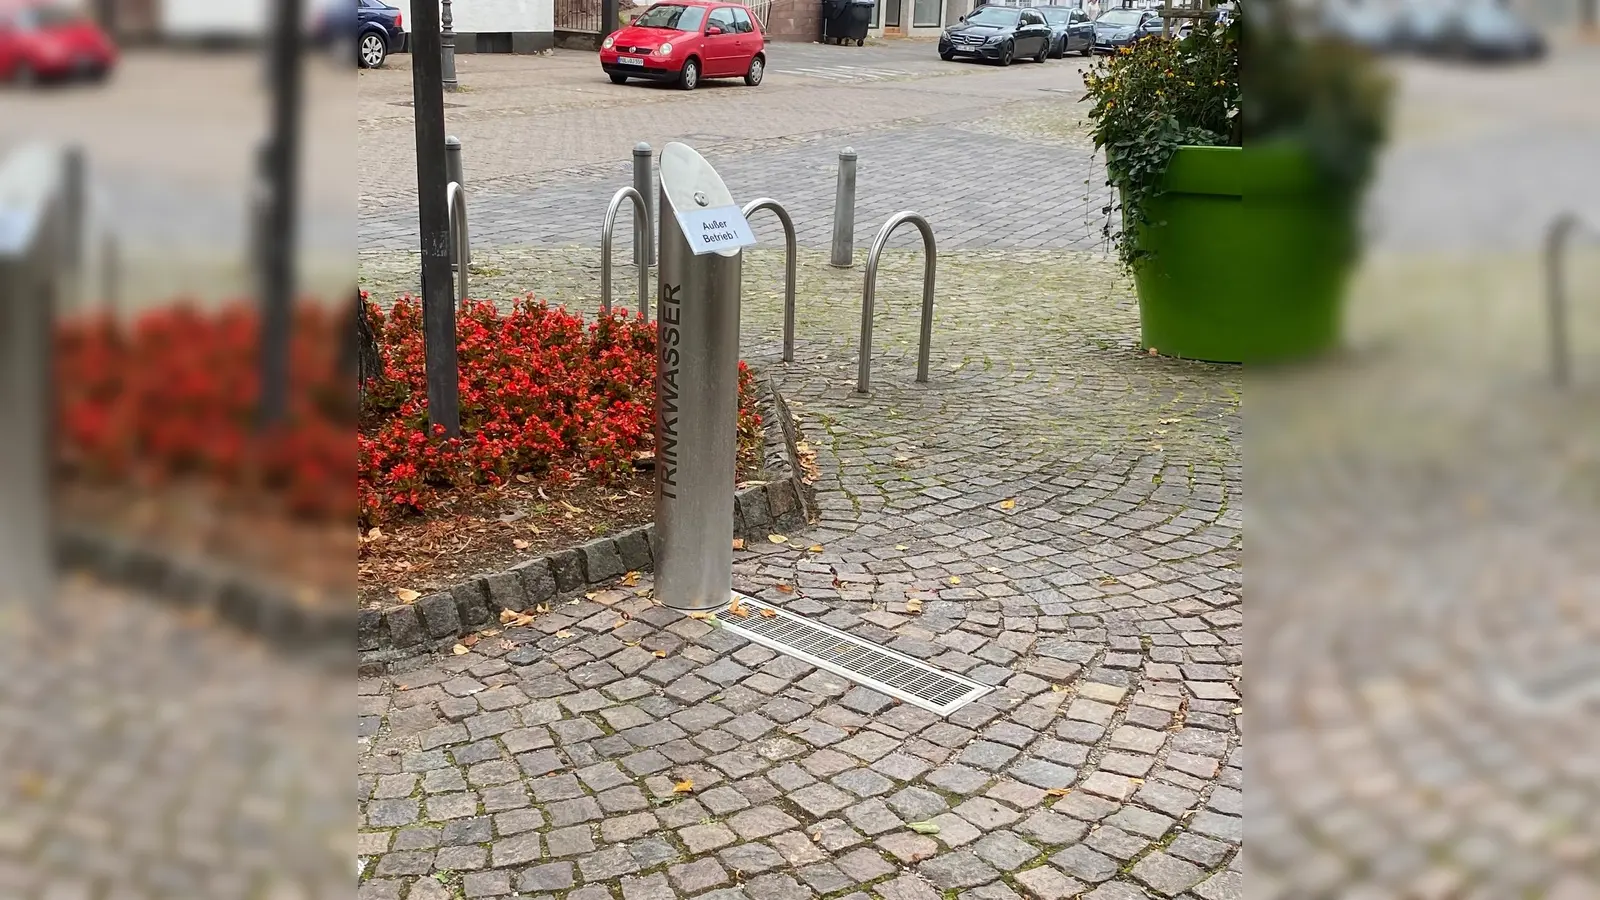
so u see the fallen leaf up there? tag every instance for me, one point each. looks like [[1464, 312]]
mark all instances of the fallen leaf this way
[[769, 614], [620, 623], [460, 649], [489, 632], [661, 654], [520, 544], [406, 595], [816, 836], [815, 548], [683, 787], [994, 569], [1137, 780], [777, 539], [1008, 503], [738, 609], [1154, 352], [697, 614], [1058, 688], [563, 634], [525, 478], [543, 608], [375, 534], [901, 547], [738, 543], [470, 640], [1058, 792], [955, 579], [924, 827], [1107, 582], [630, 579], [786, 588], [570, 508], [913, 605]]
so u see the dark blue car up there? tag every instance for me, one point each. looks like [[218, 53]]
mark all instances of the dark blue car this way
[[377, 28]]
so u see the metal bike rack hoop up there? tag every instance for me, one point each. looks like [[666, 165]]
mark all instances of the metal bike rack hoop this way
[[456, 198], [788, 267], [930, 264], [641, 219], [1555, 251]]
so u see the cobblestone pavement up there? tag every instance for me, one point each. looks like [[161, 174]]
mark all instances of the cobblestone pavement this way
[[170, 147], [149, 755], [547, 142], [1423, 517], [1063, 507]]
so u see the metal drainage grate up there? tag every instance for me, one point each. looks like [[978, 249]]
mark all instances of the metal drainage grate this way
[[863, 662]]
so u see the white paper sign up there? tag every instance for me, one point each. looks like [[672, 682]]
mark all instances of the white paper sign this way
[[710, 230]]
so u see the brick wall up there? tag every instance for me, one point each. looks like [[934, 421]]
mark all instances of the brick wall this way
[[794, 20]]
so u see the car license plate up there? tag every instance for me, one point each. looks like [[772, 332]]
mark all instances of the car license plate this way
[[630, 60]]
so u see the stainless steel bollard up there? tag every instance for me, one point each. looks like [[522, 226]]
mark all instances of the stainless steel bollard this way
[[606, 230], [697, 388], [644, 246], [1556, 240], [111, 273], [456, 173], [452, 161], [751, 209], [844, 211], [869, 288], [460, 239]]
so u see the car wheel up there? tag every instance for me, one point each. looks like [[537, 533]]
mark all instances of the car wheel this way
[[1058, 50], [619, 79], [689, 78], [373, 51], [1007, 52], [758, 68], [1043, 54], [1088, 49], [947, 55]]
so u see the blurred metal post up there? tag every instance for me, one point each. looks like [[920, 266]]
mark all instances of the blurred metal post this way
[[697, 386], [844, 211], [644, 246], [447, 49], [433, 220], [31, 238], [460, 239], [111, 273], [1556, 296], [281, 180], [74, 213]]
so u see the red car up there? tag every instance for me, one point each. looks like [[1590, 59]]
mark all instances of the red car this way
[[50, 41], [684, 41]]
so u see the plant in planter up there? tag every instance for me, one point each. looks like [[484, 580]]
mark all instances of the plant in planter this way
[[1239, 248]]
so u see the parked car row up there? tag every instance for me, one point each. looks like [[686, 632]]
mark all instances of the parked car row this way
[[1463, 29], [1002, 34]]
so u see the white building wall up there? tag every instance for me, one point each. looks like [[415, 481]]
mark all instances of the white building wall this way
[[477, 16], [201, 19]]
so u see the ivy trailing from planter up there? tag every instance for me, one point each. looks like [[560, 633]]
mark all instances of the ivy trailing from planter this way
[[1152, 98]]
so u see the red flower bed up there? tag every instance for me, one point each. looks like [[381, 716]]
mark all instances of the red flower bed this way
[[543, 394], [173, 396]]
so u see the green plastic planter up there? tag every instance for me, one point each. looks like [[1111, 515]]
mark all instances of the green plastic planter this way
[[1251, 257]]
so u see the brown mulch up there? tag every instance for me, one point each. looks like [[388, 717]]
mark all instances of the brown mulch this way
[[250, 532], [492, 533]]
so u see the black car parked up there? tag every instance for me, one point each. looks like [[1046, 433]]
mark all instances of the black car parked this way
[[379, 32], [1118, 28], [998, 33], [1070, 29]]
